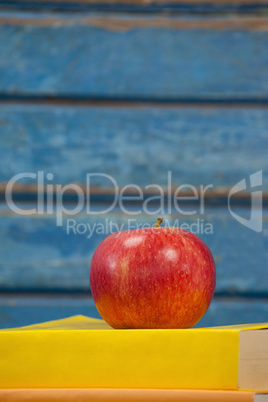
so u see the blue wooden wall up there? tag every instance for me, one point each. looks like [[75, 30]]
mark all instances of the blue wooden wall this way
[[134, 90]]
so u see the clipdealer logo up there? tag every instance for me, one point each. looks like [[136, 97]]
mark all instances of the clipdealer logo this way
[[166, 200], [255, 221]]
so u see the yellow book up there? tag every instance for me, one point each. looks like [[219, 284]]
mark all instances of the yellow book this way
[[81, 352]]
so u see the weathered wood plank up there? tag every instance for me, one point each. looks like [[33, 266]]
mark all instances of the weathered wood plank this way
[[212, 2], [26, 310], [144, 57], [190, 6], [37, 255], [199, 145]]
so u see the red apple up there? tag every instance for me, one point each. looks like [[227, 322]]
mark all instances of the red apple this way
[[152, 278]]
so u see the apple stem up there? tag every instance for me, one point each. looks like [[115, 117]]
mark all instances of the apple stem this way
[[158, 222]]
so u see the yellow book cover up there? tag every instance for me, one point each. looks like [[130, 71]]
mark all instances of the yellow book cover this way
[[81, 352]]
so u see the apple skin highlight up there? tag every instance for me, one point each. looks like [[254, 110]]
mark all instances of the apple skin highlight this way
[[152, 278]]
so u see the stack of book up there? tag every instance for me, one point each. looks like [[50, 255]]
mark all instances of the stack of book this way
[[83, 359]]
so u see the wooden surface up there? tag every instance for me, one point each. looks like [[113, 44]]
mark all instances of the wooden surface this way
[[153, 6], [42, 3], [132, 89], [200, 145], [140, 57]]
